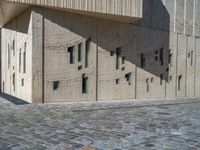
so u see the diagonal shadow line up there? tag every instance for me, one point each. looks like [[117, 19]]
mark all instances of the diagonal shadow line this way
[[13, 99]]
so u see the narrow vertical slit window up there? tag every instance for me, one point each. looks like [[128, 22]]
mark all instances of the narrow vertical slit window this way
[[143, 61], [8, 55], [161, 79], [161, 56], [123, 60], [87, 51], [156, 55], [79, 52], [170, 59], [179, 82], [84, 84], [13, 81], [3, 86], [24, 56], [147, 85], [20, 61], [191, 63], [118, 54], [14, 47], [71, 54], [22, 82]]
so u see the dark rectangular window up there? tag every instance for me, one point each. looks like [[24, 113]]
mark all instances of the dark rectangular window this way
[[84, 84], [156, 55], [118, 54], [20, 61], [191, 58], [22, 82], [87, 51], [24, 64], [3, 86], [170, 59], [24, 56], [79, 52], [161, 79], [112, 53], [123, 60], [13, 47], [117, 81], [147, 85], [56, 85], [179, 82], [128, 78], [13, 82], [8, 55], [161, 56], [71, 54], [143, 61], [79, 67]]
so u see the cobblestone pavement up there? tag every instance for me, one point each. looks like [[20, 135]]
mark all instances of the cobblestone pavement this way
[[81, 127]]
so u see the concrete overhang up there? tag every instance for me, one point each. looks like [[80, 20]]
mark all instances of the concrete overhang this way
[[118, 10]]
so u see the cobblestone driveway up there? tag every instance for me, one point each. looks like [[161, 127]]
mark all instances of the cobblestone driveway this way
[[83, 126]]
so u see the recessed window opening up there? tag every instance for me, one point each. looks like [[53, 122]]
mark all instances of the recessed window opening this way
[[84, 84], [71, 54], [128, 78], [191, 63], [87, 51], [79, 67], [147, 85], [162, 56], [117, 81], [24, 69], [123, 60], [13, 47], [156, 55], [170, 59], [143, 61], [8, 55], [118, 54], [13, 81], [56, 85], [20, 61], [179, 82], [161, 79], [3, 86], [22, 82], [112, 53], [80, 52], [170, 78]]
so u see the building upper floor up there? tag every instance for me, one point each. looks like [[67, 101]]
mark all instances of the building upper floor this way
[[118, 10]]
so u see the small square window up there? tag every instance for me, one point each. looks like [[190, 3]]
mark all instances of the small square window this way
[[56, 85], [112, 53], [80, 67]]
